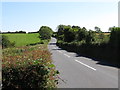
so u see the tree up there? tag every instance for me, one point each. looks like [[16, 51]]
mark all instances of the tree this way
[[82, 33], [97, 29], [60, 33], [115, 37], [45, 32], [90, 37], [100, 34], [69, 34]]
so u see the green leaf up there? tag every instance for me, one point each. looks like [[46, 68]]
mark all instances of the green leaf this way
[[51, 65]]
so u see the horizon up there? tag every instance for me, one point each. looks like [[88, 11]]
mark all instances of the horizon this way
[[30, 16]]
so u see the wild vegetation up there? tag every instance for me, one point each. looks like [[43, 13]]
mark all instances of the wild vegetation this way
[[27, 65], [94, 44]]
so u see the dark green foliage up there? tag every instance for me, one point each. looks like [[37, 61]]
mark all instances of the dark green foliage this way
[[94, 44], [31, 76], [33, 32], [6, 43], [45, 32], [69, 34], [13, 32], [24, 77], [54, 34], [66, 33], [90, 37], [60, 29], [97, 29], [82, 33], [115, 37], [60, 33]]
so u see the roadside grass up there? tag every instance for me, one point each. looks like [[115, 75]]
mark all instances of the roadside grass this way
[[28, 67], [24, 39]]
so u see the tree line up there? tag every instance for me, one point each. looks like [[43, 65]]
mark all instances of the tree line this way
[[95, 44]]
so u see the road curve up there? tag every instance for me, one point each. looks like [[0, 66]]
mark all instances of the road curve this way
[[81, 72]]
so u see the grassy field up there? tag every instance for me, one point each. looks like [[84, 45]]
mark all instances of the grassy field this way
[[23, 39]]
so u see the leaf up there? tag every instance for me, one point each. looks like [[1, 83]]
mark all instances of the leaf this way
[[51, 65], [57, 72]]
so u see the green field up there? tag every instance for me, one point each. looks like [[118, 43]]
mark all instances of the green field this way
[[23, 39]]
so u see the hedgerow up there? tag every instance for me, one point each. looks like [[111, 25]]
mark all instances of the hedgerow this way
[[92, 44], [30, 67]]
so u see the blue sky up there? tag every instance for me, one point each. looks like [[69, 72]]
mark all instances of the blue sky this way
[[30, 16]]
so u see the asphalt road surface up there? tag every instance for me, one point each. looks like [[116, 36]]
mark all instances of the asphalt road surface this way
[[81, 72]]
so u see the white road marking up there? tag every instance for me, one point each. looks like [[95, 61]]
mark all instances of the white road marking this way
[[66, 55], [86, 65], [59, 51], [55, 48]]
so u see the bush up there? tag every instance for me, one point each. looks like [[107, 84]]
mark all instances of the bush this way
[[45, 32], [30, 67], [54, 34], [115, 37], [6, 43]]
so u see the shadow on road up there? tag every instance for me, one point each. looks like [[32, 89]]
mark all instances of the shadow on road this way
[[57, 49], [100, 62], [108, 64], [52, 43]]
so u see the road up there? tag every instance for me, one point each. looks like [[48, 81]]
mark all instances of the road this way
[[81, 72]]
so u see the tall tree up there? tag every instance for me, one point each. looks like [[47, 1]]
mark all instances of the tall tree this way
[[45, 32], [98, 30], [69, 34], [60, 33]]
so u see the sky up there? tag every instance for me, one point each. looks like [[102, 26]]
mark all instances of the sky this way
[[30, 16]]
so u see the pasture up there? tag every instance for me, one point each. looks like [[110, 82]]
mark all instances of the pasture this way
[[23, 39]]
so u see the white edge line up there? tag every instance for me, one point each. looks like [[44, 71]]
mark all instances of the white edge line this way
[[86, 65], [66, 55]]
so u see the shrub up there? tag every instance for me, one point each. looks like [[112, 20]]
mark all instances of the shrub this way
[[45, 32], [115, 37], [6, 43], [30, 67], [69, 34]]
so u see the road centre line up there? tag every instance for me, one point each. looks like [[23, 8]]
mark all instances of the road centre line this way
[[86, 65], [79, 62], [59, 51], [66, 55]]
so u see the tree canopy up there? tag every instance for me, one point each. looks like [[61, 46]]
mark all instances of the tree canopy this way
[[45, 32]]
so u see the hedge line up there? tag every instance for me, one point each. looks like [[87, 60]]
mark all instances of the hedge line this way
[[104, 51], [28, 67]]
